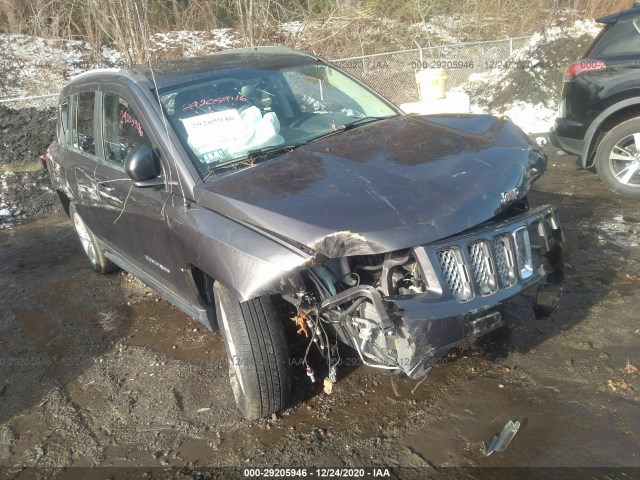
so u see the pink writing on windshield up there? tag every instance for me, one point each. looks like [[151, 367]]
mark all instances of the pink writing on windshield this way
[[211, 101]]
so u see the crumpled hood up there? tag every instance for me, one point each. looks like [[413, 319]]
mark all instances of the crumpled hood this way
[[383, 186]]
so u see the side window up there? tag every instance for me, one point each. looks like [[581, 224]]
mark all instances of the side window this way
[[122, 131], [63, 123], [83, 133]]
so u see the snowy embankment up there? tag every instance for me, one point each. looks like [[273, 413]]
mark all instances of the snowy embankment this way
[[527, 87], [36, 66]]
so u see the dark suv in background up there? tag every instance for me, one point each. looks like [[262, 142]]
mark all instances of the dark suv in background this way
[[599, 114]]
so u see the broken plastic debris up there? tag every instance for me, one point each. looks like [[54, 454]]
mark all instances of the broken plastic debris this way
[[328, 386], [501, 442]]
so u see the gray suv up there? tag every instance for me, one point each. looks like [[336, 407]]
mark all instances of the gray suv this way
[[254, 187]]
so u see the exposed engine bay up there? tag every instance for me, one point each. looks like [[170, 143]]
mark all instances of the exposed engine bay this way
[[400, 309]]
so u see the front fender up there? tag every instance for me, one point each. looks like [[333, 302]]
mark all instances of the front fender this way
[[248, 262]]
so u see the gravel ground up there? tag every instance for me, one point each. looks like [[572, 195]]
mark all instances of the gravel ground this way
[[98, 371]]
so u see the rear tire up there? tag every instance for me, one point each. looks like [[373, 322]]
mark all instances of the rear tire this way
[[259, 369], [618, 159], [90, 244]]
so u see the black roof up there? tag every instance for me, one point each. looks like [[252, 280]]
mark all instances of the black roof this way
[[170, 72]]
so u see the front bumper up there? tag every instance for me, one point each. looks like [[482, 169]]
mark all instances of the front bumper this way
[[468, 277]]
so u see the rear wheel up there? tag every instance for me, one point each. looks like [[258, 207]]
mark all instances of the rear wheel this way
[[618, 159], [90, 244], [257, 351]]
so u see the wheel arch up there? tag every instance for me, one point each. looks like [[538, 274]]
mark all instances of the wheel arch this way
[[609, 118], [65, 201], [203, 285]]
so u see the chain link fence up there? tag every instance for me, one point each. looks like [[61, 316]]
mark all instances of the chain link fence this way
[[39, 102], [392, 74]]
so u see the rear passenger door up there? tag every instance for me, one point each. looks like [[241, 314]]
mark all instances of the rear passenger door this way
[[82, 156]]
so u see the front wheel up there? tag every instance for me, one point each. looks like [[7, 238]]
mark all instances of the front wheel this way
[[618, 159], [257, 351]]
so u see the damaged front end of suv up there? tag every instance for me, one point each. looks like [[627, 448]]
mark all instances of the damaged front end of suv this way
[[402, 310]]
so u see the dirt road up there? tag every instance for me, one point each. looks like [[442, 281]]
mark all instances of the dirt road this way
[[99, 371]]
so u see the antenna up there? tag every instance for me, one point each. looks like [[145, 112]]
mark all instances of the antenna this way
[[164, 117]]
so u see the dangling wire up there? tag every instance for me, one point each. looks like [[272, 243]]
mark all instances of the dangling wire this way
[[321, 338]]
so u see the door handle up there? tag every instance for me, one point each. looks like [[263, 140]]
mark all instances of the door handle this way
[[104, 186]]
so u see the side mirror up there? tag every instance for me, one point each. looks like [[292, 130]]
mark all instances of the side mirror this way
[[141, 166]]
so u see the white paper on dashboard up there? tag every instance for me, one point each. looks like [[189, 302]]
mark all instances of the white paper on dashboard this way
[[228, 134], [214, 128]]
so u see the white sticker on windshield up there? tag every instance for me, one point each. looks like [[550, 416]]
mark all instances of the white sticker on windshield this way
[[204, 130]]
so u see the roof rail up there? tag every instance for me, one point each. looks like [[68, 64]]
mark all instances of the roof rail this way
[[95, 71]]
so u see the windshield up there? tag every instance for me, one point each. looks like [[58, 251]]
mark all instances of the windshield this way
[[227, 118]]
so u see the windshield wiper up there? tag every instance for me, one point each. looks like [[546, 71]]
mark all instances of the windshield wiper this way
[[251, 155], [269, 150]]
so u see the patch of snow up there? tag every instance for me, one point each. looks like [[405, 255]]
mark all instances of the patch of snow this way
[[531, 118], [194, 42], [34, 65], [295, 28], [112, 56]]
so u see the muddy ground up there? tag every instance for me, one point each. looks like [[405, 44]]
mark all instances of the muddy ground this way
[[25, 134], [97, 371]]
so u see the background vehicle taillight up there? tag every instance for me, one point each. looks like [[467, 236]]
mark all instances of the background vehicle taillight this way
[[582, 66]]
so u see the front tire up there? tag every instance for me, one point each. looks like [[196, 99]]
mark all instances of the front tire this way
[[618, 159], [259, 369], [90, 244]]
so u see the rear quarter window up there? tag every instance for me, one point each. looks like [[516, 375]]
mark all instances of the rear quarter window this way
[[83, 131], [63, 122], [618, 39]]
